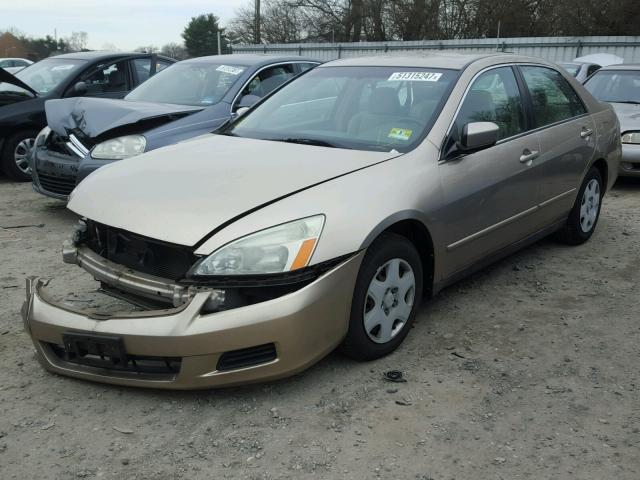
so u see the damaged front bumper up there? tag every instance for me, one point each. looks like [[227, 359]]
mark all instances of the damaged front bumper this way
[[183, 347]]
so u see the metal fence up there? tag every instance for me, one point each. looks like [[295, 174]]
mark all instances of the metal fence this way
[[551, 48]]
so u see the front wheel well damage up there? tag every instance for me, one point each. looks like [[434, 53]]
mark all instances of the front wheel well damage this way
[[418, 234]]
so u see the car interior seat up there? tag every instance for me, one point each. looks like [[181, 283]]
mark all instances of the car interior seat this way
[[381, 111]]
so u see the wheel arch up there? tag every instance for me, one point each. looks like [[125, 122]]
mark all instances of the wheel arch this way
[[603, 167], [409, 224]]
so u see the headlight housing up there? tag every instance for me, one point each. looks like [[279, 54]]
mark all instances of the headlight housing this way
[[631, 137], [119, 148], [278, 249], [42, 137]]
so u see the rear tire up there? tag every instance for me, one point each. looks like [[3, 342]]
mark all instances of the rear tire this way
[[585, 213], [386, 297], [16, 153]]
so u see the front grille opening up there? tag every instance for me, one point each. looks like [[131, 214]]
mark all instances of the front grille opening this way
[[141, 254], [247, 357], [57, 185], [132, 364]]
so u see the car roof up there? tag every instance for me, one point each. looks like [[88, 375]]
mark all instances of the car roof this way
[[101, 54], [16, 58], [249, 59], [453, 61], [623, 66]]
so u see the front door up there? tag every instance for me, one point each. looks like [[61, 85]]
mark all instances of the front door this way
[[491, 195]]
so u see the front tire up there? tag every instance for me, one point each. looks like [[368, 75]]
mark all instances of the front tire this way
[[16, 154], [386, 297], [585, 212]]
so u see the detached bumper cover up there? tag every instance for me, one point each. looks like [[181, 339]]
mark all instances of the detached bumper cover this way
[[304, 326]]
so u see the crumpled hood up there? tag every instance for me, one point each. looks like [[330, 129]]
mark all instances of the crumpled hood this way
[[95, 116], [182, 192], [629, 116]]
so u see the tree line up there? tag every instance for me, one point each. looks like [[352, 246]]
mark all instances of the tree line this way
[[292, 21]]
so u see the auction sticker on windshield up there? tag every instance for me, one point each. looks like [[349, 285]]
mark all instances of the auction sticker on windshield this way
[[400, 133], [230, 70], [415, 76]]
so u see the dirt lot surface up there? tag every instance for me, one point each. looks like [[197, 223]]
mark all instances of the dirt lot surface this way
[[527, 370]]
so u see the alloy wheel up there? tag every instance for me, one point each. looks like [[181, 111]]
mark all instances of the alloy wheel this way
[[21, 155], [389, 300], [590, 205]]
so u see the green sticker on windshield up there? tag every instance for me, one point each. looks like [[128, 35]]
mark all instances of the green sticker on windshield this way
[[400, 133]]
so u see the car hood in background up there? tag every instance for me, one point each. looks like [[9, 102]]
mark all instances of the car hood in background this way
[[180, 193], [95, 116], [13, 80], [602, 59], [629, 116]]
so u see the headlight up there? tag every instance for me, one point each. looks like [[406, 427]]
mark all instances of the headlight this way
[[277, 249], [119, 148], [42, 137], [631, 137]]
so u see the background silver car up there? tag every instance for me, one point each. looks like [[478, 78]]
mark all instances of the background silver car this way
[[619, 85], [323, 216]]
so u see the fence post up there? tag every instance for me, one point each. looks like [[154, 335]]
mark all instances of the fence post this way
[[339, 51], [504, 47], [300, 51], [579, 49], [386, 48]]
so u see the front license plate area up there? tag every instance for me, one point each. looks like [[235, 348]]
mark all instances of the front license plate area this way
[[95, 350]]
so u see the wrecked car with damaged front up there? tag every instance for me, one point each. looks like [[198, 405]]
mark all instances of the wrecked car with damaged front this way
[[321, 218]]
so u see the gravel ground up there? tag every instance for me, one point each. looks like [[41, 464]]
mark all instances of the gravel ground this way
[[527, 370]]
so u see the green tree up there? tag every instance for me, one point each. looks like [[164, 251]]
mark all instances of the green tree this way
[[201, 36]]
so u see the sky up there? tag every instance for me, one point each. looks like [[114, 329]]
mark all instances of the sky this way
[[124, 24]]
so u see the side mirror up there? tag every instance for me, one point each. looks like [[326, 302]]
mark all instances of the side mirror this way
[[477, 135], [80, 89], [248, 101], [241, 111]]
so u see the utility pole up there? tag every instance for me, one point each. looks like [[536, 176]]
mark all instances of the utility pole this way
[[256, 27], [219, 46]]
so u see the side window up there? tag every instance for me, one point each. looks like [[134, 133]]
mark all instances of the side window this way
[[493, 97], [20, 63], [161, 65], [303, 67], [268, 80], [142, 67], [5, 63], [107, 78], [592, 69], [552, 97]]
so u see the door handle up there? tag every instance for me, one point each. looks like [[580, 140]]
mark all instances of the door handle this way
[[586, 132], [529, 155]]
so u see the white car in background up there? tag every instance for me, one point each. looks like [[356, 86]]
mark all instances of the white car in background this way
[[14, 65]]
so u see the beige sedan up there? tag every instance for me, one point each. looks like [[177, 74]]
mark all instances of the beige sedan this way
[[322, 217]]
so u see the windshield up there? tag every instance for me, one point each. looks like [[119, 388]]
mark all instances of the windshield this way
[[616, 86], [188, 83], [364, 108], [572, 68], [47, 74]]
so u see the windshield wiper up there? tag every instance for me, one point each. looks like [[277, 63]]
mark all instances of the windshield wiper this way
[[305, 141]]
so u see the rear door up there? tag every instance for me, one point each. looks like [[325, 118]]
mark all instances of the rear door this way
[[567, 138], [491, 194]]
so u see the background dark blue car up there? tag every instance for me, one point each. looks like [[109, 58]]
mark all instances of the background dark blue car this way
[[190, 98]]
